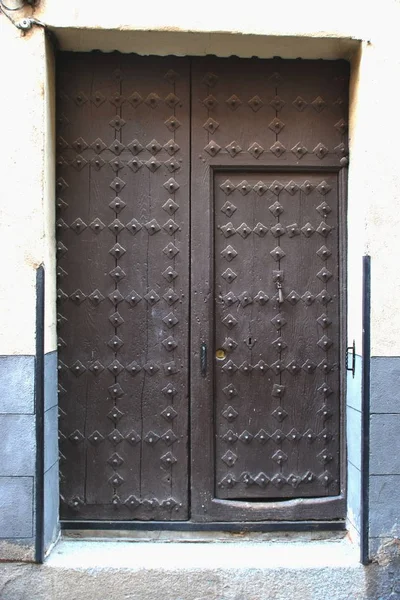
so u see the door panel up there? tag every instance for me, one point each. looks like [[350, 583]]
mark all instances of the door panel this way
[[268, 139], [123, 259], [277, 371]]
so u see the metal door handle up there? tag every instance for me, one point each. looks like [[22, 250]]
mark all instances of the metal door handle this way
[[280, 292], [203, 358]]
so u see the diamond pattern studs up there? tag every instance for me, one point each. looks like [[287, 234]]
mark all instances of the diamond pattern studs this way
[[276, 125], [324, 229], [229, 275], [171, 185], [299, 103], [277, 253], [230, 414], [256, 150], [227, 187], [278, 149], [255, 103], [299, 150], [325, 343], [229, 253], [229, 321], [229, 458], [318, 104], [320, 150], [260, 230], [233, 148], [211, 125], [244, 187], [260, 188], [244, 230], [228, 208], [212, 148], [228, 229], [233, 102]]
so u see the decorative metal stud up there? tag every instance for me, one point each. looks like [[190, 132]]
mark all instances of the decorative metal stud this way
[[233, 148], [169, 274], [309, 367], [260, 188], [278, 391], [152, 227], [262, 298], [293, 480], [278, 436], [233, 102], [171, 147], [324, 321], [169, 413], [152, 100], [245, 437], [117, 205], [212, 148], [76, 437], [325, 436], [115, 297], [152, 297], [293, 368], [151, 368], [79, 163], [229, 321], [278, 481], [115, 437], [115, 460], [276, 125], [170, 297], [245, 368], [320, 150], [151, 438], [133, 298], [169, 390], [210, 102], [324, 229], [244, 187], [277, 367], [341, 126], [98, 99], [324, 275], [278, 103], [227, 187], [291, 187], [299, 103], [229, 367], [307, 298], [245, 298], [135, 99], [326, 478], [279, 457], [170, 368], [260, 230], [133, 368], [96, 368], [299, 150], [261, 480], [228, 481], [244, 230], [277, 253], [278, 149], [277, 230], [261, 366], [77, 368], [135, 164], [278, 321], [229, 345], [229, 298], [229, 275], [135, 147], [77, 297], [117, 123], [169, 437], [115, 343], [170, 206], [172, 123], [229, 253], [230, 437], [324, 297], [95, 438], [308, 230], [228, 229], [171, 100], [230, 414], [276, 187], [96, 297], [169, 344], [318, 104], [325, 343], [211, 125], [324, 412], [256, 150], [61, 249], [324, 457], [116, 320], [170, 250], [293, 298], [61, 296], [171, 185], [152, 165], [230, 391], [117, 274], [170, 227], [228, 208], [255, 103], [293, 435], [325, 390], [262, 437], [279, 344], [168, 459], [308, 477], [326, 367], [340, 150]]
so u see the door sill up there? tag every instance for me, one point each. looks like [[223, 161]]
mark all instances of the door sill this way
[[86, 528]]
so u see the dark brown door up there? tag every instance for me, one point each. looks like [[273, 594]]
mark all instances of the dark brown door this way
[[263, 143]]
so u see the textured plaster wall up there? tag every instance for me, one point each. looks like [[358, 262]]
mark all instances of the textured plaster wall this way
[[310, 30]]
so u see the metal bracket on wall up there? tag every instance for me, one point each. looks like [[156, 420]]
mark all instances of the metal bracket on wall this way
[[351, 350]]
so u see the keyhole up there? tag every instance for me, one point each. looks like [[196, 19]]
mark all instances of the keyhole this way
[[249, 342]]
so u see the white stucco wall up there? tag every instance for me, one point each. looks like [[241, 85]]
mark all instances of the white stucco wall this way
[[309, 29]]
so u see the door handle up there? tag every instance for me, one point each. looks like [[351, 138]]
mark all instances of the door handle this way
[[203, 358]]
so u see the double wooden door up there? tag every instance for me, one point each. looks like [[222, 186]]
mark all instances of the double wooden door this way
[[199, 233]]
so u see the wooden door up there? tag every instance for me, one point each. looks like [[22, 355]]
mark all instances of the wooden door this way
[[123, 225], [269, 139], [201, 201]]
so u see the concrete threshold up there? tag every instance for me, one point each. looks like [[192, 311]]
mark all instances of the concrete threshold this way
[[281, 568]]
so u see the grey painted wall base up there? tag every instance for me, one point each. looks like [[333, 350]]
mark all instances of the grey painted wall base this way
[[384, 523]]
